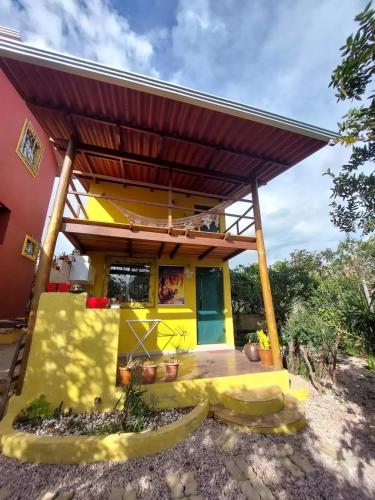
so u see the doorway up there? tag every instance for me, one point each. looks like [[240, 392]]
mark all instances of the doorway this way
[[210, 305]]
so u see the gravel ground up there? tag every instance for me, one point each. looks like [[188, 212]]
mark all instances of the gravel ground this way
[[339, 441], [94, 423]]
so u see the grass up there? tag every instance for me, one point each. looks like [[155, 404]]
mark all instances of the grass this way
[[371, 363]]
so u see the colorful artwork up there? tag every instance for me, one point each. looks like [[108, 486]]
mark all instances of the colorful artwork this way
[[171, 285]]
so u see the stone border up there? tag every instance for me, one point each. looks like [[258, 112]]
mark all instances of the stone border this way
[[86, 449]]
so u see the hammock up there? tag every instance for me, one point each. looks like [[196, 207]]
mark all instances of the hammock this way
[[192, 222]]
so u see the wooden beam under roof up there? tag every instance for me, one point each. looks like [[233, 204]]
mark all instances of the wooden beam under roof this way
[[147, 161], [122, 124], [160, 252], [174, 251], [206, 252], [157, 187]]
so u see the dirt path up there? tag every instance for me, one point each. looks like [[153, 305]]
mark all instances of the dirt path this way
[[333, 458]]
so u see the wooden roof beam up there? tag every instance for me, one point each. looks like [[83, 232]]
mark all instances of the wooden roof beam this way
[[161, 249], [147, 161], [206, 252], [106, 120], [157, 187], [230, 256], [174, 251]]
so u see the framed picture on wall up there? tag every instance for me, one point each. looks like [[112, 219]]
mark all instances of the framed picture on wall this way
[[30, 248], [171, 285]]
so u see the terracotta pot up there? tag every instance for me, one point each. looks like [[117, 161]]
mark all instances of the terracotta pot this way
[[251, 351], [266, 357], [171, 371], [149, 374], [124, 375]]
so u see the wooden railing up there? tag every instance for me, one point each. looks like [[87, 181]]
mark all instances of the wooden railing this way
[[80, 212]]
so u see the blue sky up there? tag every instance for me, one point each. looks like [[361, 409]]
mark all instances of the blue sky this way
[[273, 54]]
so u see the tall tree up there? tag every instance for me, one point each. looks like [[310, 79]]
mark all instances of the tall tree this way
[[353, 192]]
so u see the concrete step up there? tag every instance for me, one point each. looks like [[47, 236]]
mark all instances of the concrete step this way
[[290, 419], [256, 401]]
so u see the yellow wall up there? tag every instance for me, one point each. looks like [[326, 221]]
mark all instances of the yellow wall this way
[[104, 210], [73, 355], [182, 319]]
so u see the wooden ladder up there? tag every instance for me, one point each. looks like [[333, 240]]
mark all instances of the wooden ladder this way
[[8, 385]]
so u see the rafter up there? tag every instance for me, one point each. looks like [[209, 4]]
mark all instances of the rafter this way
[[109, 121], [147, 161], [158, 187], [174, 251]]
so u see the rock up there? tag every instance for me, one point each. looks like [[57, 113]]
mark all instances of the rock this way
[[65, 495], [189, 483], [234, 471], [4, 493], [116, 494], [303, 463], [49, 495], [248, 490], [175, 485]]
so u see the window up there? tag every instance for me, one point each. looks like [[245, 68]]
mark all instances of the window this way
[[29, 148], [4, 220], [30, 248], [131, 283]]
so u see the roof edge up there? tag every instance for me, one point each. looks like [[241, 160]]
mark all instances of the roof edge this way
[[82, 67]]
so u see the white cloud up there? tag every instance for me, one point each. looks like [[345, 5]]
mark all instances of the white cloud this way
[[91, 29], [274, 55]]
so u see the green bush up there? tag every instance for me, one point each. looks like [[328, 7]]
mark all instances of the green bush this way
[[38, 409]]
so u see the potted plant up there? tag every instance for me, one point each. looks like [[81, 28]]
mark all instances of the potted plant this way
[[149, 369], [171, 368], [251, 348], [265, 352], [125, 372]]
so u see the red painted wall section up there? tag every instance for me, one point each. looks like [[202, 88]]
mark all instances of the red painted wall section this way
[[26, 197]]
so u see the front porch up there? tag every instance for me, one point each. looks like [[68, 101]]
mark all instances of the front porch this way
[[209, 364]]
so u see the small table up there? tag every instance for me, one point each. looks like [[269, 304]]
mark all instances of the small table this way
[[140, 340], [153, 324]]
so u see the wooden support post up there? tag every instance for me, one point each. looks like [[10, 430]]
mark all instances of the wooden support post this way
[[170, 220], [265, 282], [47, 250]]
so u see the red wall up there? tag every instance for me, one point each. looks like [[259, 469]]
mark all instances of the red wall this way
[[27, 198]]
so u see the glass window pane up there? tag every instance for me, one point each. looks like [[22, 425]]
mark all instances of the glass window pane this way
[[129, 282]]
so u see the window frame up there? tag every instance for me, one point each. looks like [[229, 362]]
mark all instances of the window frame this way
[[129, 261], [36, 244], [33, 168]]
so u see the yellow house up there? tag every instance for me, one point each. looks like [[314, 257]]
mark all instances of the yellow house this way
[[160, 167], [187, 291]]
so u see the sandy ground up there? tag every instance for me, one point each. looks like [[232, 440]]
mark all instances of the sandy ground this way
[[339, 441]]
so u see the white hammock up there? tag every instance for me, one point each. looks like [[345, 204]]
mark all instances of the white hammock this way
[[192, 222]]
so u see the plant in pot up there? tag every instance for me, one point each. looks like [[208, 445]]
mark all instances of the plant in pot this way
[[149, 369], [251, 348], [265, 352], [127, 371], [171, 365]]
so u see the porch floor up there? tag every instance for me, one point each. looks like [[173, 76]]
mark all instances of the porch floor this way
[[209, 364]]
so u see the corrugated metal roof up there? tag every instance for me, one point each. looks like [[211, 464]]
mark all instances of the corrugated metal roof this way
[[140, 116]]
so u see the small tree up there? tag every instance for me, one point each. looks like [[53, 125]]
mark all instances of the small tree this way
[[353, 191]]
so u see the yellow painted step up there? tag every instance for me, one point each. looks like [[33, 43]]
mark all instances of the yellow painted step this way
[[290, 419], [257, 401]]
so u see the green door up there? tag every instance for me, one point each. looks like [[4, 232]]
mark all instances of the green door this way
[[210, 305]]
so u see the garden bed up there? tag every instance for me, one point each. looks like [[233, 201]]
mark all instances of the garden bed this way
[[95, 423]]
